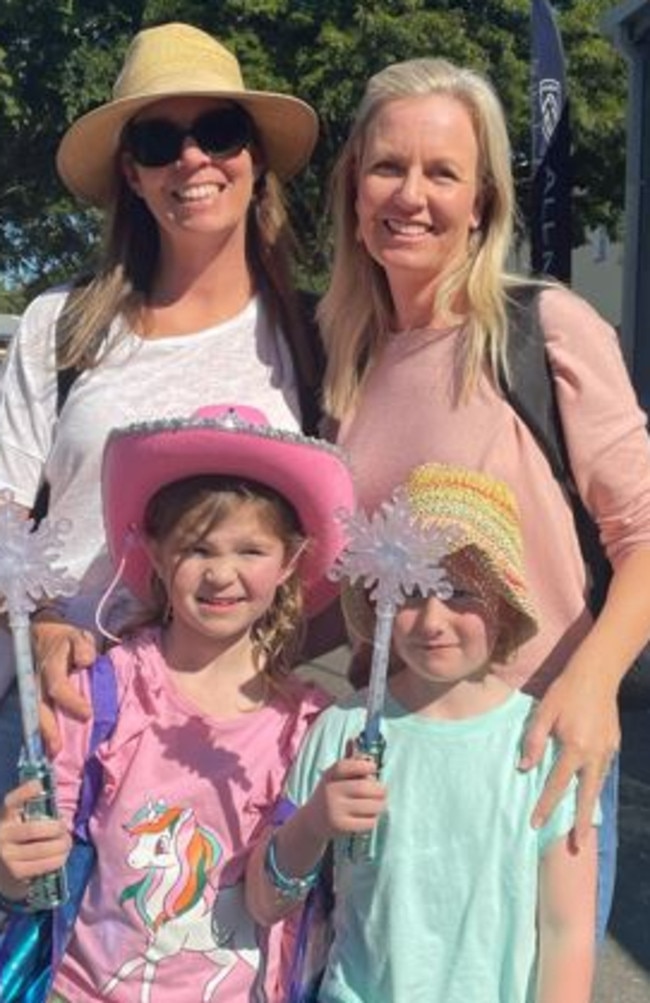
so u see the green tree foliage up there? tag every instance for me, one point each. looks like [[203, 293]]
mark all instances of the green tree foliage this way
[[58, 58], [598, 89]]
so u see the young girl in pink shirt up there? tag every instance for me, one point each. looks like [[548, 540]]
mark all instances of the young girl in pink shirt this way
[[221, 524]]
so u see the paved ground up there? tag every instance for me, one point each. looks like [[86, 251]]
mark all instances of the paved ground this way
[[624, 967]]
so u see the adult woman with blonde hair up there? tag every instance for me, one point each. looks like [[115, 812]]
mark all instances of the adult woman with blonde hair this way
[[191, 300], [415, 325], [359, 299]]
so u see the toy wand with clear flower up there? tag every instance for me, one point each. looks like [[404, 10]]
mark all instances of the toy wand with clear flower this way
[[27, 575], [392, 556]]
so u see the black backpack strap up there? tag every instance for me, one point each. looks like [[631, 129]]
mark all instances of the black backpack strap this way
[[64, 381], [530, 391], [308, 358], [65, 378]]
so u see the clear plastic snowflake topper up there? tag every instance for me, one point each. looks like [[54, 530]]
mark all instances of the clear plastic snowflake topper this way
[[28, 558], [392, 554]]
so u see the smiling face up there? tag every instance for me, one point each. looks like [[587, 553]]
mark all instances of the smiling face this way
[[198, 193], [445, 643], [418, 197], [222, 579]]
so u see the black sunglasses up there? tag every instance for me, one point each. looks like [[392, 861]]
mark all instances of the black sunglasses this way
[[156, 142]]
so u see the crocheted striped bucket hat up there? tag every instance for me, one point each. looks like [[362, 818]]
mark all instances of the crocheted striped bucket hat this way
[[479, 518]]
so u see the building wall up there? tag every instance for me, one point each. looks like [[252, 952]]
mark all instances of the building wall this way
[[628, 27], [597, 274]]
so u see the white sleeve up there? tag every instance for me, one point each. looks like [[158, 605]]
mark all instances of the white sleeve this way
[[28, 399]]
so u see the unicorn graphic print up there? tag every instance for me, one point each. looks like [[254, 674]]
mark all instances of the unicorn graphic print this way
[[179, 908]]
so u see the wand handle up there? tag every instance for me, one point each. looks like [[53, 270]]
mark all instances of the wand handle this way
[[385, 614], [27, 685], [371, 744], [360, 846], [47, 890]]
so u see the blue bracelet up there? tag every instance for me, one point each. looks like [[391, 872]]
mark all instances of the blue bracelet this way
[[288, 887], [14, 905]]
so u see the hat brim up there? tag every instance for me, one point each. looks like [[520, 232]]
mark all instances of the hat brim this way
[[85, 160], [309, 473]]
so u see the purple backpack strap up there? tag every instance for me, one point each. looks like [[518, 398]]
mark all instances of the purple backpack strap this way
[[283, 811], [103, 694], [103, 691]]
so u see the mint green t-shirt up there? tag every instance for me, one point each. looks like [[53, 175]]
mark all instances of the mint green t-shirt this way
[[445, 912]]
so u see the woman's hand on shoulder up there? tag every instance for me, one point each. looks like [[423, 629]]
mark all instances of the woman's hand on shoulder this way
[[580, 707], [580, 711], [60, 647]]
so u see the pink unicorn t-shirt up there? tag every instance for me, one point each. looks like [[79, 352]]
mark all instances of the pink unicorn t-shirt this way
[[184, 797]]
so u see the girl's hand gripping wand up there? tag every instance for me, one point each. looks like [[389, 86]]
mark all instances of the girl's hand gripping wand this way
[[392, 556], [27, 576]]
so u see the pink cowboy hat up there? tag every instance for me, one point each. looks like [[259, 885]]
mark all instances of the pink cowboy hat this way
[[234, 441]]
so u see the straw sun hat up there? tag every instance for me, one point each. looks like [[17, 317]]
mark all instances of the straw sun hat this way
[[175, 60], [479, 517], [233, 441]]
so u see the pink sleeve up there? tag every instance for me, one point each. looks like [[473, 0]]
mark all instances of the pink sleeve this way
[[313, 701], [307, 701], [604, 426]]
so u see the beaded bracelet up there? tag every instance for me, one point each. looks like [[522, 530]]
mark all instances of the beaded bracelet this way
[[287, 886]]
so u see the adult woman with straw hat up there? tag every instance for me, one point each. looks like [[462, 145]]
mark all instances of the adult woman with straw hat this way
[[191, 300]]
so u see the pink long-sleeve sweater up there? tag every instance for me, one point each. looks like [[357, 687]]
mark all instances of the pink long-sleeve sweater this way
[[410, 413]]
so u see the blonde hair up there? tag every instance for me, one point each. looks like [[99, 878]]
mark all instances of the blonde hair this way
[[129, 258], [190, 509], [356, 312]]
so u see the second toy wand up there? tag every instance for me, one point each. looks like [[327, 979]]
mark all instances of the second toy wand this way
[[27, 575], [392, 556]]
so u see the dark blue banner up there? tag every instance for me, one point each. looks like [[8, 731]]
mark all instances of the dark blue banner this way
[[551, 135]]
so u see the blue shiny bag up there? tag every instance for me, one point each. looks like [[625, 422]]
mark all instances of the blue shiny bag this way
[[33, 943]]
